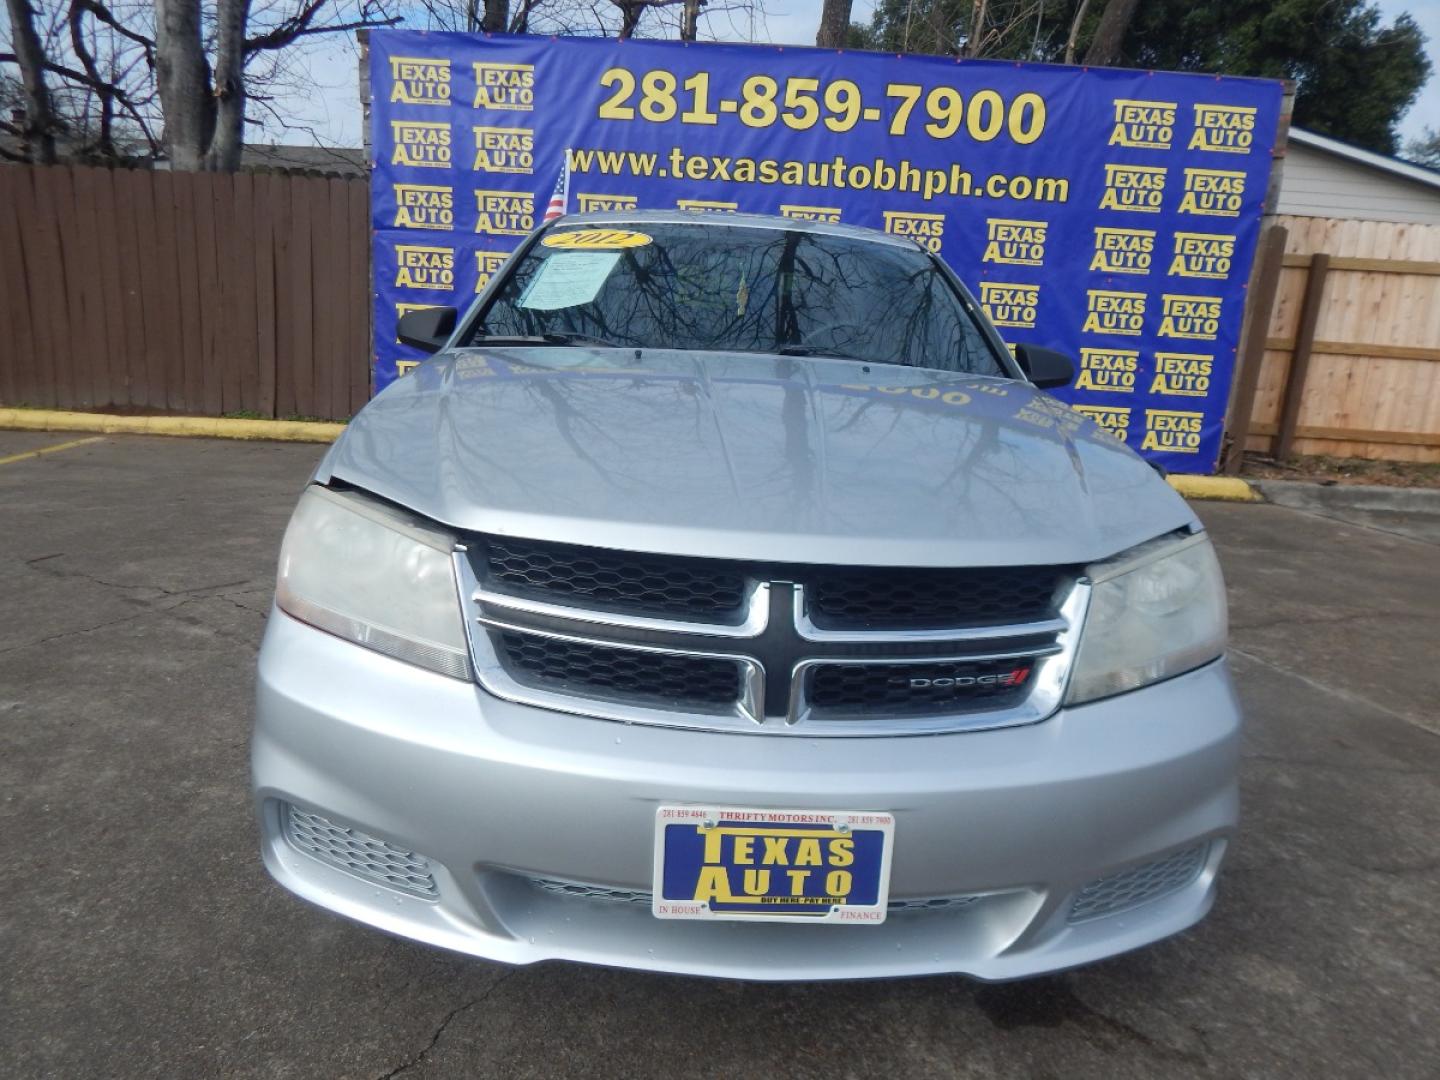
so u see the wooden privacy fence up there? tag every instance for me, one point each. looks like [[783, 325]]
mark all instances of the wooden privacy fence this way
[[213, 294], [184, 292], [1352, 348]]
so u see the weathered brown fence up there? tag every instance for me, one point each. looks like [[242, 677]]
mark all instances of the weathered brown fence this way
[[184, 292], [1352, 354], [210, 294]]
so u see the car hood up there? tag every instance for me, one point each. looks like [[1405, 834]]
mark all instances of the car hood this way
[[754, 457]]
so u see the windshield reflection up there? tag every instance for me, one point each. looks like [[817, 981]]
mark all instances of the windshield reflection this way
[[695, 287]]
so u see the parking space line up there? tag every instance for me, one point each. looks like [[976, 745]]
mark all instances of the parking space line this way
[[50, 449]]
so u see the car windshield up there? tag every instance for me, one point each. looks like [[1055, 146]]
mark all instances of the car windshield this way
[[738, 289]]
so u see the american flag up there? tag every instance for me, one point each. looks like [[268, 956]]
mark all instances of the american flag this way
[[560, 198]]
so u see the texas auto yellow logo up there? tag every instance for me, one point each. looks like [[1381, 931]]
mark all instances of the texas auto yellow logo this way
[[1228, 129], [1143, 125], [1123, 251], [420, 266], [1213, 192], [1137, 188], [1202, 255], [927, 230], [1014, 242], [503, 150], [1182, 374], [424, 206], [421, 144], [419, 81], [504, 213], [1108, 370], [1111, 311], [1172, 430], [504, 87], [1010, 305]]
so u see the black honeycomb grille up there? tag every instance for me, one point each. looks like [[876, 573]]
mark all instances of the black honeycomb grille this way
[[572, 666], [925, 598], [899, 689], [702, 589]]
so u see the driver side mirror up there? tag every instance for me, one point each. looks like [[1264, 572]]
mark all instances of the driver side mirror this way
[[427, 329], [1046, 368]]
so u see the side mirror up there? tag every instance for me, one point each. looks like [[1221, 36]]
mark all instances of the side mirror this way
[[428, 329], [1045, 367]]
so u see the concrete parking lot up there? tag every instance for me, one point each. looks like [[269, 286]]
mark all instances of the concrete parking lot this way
[[140, 936]]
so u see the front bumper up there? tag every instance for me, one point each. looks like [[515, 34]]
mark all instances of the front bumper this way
[[498, 795]]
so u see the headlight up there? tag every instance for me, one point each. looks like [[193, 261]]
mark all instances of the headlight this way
[[1156, 611], [376, 576]]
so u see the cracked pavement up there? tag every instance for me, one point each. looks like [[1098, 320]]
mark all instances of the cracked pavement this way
[[140, 936]]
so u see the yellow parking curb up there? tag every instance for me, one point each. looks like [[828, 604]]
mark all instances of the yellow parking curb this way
[[210, 427], [1227, 488]]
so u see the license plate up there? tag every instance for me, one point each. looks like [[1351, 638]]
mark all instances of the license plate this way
[[772, 865]]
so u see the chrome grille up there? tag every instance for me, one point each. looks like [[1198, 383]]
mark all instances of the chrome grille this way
[[353, 851], [1138, 885], [586, 668], [806, 650]]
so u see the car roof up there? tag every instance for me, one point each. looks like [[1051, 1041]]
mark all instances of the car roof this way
[[734, 220]]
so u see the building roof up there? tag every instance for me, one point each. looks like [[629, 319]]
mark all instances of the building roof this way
[[1393, 165], [344, 161]]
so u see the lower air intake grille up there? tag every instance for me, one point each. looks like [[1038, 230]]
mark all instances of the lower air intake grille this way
[[581, 667], [933, 903], [898, 689], [1138, 885], [576, 891], [364, 856]]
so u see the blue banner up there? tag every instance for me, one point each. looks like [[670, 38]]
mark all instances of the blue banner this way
[[1110, 214]]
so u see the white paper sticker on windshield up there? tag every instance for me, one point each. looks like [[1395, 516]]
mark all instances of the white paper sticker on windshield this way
[[568, 279]]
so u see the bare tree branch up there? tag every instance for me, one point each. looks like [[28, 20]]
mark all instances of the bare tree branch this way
[[132, 108], [103, 14], [301, 25], [39, 133], [105, 91], [1075, 31]]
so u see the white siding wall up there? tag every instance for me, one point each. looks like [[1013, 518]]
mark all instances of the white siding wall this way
[[1317, 184]]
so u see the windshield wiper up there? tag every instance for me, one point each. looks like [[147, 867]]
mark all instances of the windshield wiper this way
[[579, 339], [816, 350], [541, 339]]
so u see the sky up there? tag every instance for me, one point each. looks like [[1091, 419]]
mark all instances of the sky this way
[[328, 110], [334, 111], [1426, 109]]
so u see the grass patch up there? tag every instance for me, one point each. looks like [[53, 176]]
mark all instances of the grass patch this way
[[249, 414], [1334, 470]]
